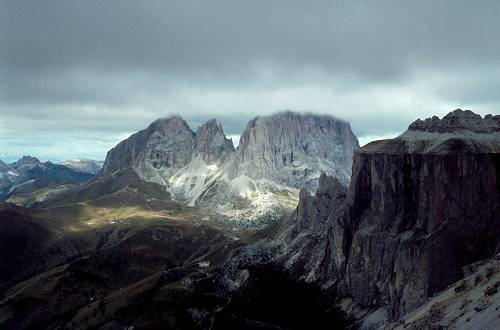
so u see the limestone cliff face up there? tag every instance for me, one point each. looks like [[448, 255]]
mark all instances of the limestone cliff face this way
[[211, 142], [293, 149], [415, 220], [315, 236], [287, 148], [166, 146], [167, 143], [417, 210]]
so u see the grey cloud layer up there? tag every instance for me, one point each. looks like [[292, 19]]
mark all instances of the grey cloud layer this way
[[107, 68], [185, 36]]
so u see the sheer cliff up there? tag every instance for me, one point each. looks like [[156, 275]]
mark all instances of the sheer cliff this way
[[293, 149], [418, 209], [417, 217]]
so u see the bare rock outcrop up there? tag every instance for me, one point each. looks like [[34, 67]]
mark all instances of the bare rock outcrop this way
[[416, 212], [211, 142], [458, 121], [168, 143], [294, 149], [254, 183]]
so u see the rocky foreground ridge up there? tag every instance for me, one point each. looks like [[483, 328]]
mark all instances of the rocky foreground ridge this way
[[259, 179], [416, 212]]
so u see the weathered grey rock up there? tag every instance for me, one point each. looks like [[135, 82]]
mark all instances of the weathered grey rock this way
[[257, 181], [293, 149], [412, 218], [418, 214], [416, 220], [460, 131], [458, 121], [211, 142], [471, 303], [167, 143], [276, 156], [314, 236]]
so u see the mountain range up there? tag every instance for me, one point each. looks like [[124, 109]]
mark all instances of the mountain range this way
[[295, 228], [258, 180], [84, 165], [28, 181]]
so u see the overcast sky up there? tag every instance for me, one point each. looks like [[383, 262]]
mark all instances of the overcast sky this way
[[79, 76]]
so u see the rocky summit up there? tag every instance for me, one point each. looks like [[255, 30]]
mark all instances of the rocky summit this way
[[212, 144], [293, 149], [167, 144], [416, 213], [458, 121], [259, 180]]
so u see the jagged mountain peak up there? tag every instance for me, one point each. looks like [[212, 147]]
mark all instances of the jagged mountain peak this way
[[29, 181], [277, 155], [166, 142], [167, 145], [173, 121], [294, 148], [291, 126], [212, 143], [170, 118], [458, 121], [457, 132], [211, 122], [26, 160]]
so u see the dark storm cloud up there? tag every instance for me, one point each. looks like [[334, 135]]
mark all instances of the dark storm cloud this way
[[189, 36], [107, 68]]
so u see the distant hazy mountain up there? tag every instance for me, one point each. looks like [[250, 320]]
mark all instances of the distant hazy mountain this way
[[28, 180], [84, 165], [259, 179]]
